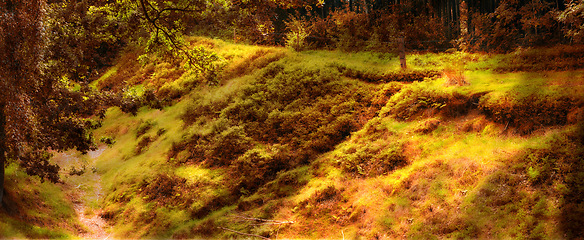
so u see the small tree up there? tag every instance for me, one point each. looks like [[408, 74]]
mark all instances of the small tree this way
[[298, 32]]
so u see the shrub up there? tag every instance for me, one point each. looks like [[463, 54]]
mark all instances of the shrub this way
[[192, 150], [571, 17], [555, 159], [413, 99], [379, 77], [250, 63], [372, 159], [107, 140], [126, 71], [143, 128], [350, 32], [298, 32], [288, 104], [527, 113], [562, 57], [143, 144], [130, 105], [203, 108], [228, 146], [281, 119], [385, 93], [163, 189], [514, 24], [256, 167], [559, 162], [325, 202], [454, 75], [328, 135], [427, 126], [321, 29]]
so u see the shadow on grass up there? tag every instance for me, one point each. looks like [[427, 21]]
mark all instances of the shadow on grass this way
[[572, 208], [540, 195], [557, 171], [24, 214]]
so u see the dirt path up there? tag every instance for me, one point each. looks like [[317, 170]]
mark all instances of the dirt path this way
[[94, 224], [85, 192]]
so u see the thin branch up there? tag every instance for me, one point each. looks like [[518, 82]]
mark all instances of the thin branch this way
[[245, 234], [159, 12], [163, 30], [269, 221], [185, 9]]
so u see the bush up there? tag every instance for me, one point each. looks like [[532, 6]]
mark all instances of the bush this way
[[256, 167], [427, 126], [562, 57], [130, 105], [218, 148], [298, 32], [204, 108], [384, 94], [378, 77], [163, 188], [143, 128], [228, 146], [290, 105], [556, 159], [143, 144], [527, 113], [514, 24], [321, 29], [371, 159], [192, 150], [413, 99], [258, 60], [558, 165], [280, 120], [350, 32], [107, 140]]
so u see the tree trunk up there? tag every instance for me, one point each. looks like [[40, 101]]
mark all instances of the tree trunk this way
[[2, 150]]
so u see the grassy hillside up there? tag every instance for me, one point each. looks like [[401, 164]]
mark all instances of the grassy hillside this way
[[322, 144], [346, 145]]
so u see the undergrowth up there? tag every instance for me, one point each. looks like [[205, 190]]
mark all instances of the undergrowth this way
[[335, 145]]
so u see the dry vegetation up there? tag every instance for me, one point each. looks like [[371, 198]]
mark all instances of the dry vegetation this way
[[346, 145]]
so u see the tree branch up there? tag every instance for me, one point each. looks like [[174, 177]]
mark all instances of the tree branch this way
[[245, 234], [163, 30], [269, 221], [185, 9]]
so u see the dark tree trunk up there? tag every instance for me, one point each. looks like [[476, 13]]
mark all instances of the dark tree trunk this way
[[2, 150]]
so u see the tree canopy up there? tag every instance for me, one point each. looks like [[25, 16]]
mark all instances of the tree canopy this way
[[39, 111]]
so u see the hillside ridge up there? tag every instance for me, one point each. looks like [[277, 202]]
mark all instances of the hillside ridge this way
[[276, 143]]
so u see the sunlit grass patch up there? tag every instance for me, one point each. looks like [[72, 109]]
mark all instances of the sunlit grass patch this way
[[197, 174], [380, 62]]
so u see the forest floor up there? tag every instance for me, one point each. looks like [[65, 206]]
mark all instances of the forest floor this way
[[85, 191]]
